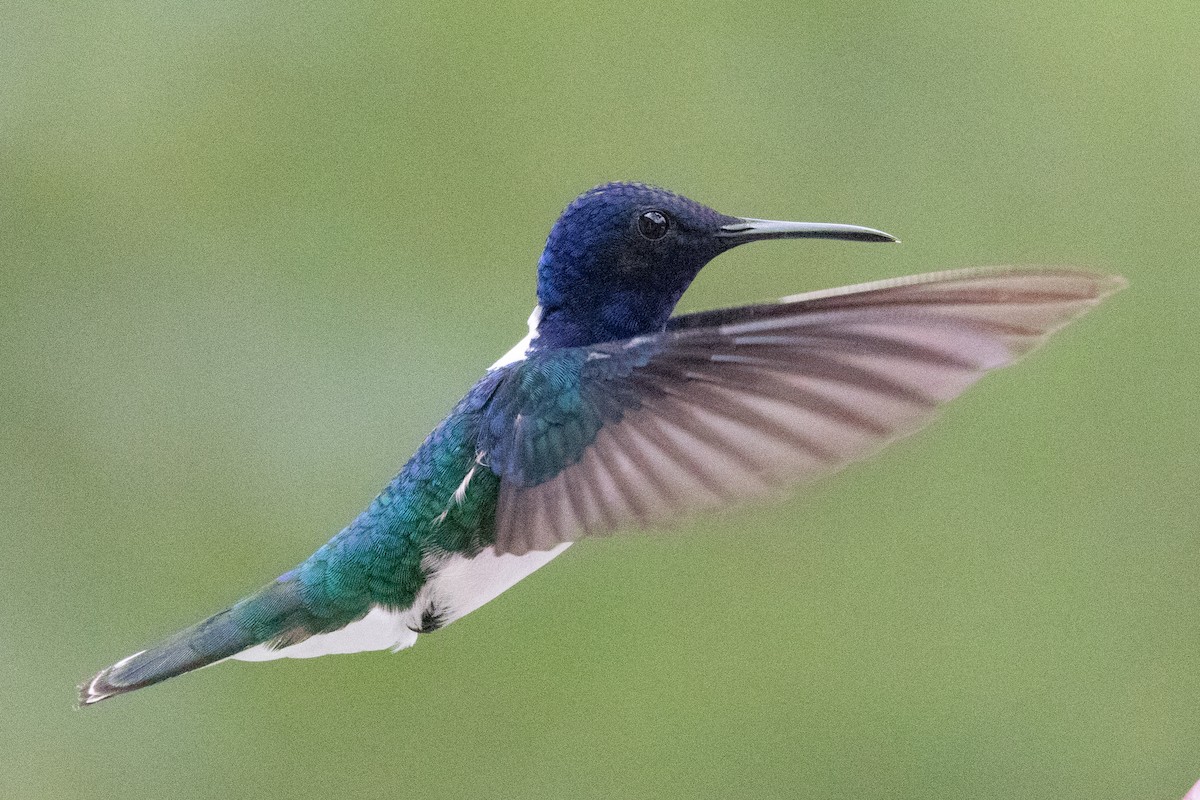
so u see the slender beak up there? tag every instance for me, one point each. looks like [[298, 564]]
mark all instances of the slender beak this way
[[748, 229]]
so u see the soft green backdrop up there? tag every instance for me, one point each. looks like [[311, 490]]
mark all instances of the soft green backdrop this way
[[251, 252]]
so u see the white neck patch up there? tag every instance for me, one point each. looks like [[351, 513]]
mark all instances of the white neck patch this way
[[521, 348]]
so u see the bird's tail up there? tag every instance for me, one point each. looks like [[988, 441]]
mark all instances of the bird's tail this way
[[275, 614]]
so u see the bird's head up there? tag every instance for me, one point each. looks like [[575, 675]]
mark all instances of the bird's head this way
[[621, 255]]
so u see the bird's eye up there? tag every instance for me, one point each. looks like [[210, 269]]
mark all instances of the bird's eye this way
[[653, 224]]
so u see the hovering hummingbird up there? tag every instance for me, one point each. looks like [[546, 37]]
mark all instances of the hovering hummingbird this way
[[611, 413]]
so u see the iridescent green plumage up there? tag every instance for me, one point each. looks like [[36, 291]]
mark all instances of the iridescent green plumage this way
[[442, 502]]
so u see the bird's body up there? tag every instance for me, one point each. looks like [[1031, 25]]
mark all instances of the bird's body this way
[[611, 414]]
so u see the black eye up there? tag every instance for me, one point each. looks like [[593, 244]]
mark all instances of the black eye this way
[[653, 224]]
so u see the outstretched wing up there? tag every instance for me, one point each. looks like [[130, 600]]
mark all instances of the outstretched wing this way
[[730, 404]]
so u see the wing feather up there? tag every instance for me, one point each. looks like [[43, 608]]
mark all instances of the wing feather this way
[[735, 403]]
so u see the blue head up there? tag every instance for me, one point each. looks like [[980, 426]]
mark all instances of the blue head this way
[[621, 255]]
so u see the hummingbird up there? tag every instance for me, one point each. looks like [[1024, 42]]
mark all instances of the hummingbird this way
[[613, 414]]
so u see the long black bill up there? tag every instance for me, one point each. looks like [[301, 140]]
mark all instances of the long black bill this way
[[748, 229]]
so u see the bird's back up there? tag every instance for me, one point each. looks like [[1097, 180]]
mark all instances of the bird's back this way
[[441, 504]]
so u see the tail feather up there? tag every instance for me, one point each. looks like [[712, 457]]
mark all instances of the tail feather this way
[[275, 614]]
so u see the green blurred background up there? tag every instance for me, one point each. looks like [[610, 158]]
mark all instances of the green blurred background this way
[[252, 252]]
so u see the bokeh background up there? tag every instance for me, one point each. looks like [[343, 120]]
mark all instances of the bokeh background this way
[[251, 252]]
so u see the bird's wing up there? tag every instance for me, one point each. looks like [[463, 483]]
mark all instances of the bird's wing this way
[[730, 404]]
